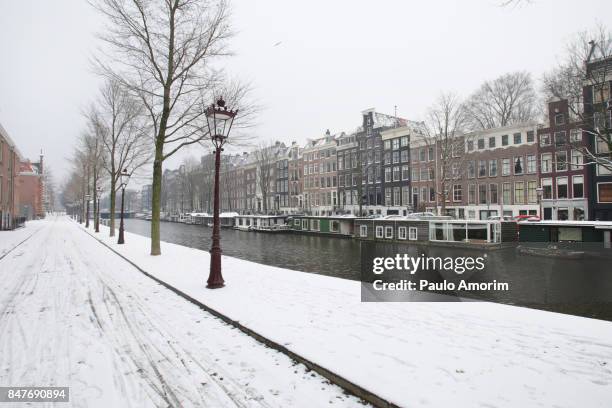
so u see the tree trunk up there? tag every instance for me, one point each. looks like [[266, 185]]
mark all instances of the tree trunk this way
[[156, 200], [113, 197]]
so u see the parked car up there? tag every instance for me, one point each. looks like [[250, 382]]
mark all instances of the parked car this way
[[519, 218]]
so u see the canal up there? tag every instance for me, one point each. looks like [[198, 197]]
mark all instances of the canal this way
[[579, 287]]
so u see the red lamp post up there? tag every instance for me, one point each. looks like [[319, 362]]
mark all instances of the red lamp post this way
[[219, 120], [125, 177]]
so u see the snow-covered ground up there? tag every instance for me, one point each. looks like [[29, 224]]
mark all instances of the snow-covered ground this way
[[72, 313], [413, 354], [10, 239]]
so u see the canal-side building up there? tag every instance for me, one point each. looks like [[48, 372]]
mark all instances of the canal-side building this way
[[347, 172], [320, 175], [598, 121], [501, 172], [563, 175], [396, 167], [296, 179]]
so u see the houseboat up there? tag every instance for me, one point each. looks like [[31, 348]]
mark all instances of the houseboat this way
[[262, 223], [565, 239], [338, 226], [442, 231]]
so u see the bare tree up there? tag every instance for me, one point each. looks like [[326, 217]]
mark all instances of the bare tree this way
[[587, 64], [509, 99], [444, 133], [163, 52], [124, 136], [265, 156]]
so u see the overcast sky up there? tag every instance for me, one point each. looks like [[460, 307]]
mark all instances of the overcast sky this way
[[335, 59]]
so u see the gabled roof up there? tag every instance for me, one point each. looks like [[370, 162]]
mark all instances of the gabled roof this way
[[10, 141]]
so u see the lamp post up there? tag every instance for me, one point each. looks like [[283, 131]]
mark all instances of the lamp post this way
[[539, 192], [219, 120], [97, 220], [87, 198], [125, 178]]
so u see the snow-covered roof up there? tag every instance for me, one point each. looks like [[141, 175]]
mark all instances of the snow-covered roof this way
[[10, 141], [560, 223], [229, 215]]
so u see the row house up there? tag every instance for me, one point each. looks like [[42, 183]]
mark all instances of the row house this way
[[320, 175], [597, 107], [563, 173], [362, 186], [296, 178], [9, 170]]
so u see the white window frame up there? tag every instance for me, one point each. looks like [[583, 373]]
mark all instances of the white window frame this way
[[598, 184], [380, 231], [388, 232], [401, 233], [363, 231], [413, 233]]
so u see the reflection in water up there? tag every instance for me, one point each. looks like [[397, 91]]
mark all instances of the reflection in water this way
[[581, 287], [323, 255]]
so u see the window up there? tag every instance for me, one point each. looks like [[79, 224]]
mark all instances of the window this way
[[401, 232], [493, 193], [432, 194], [517, 138], [492, 168], [470, 145], [532, 194], [482, 194], [379, 231], [404, 141], [405, 172], [431, 153], [387, 174], [560, 139], [304, 224], [424, 174], [481, 144], [422, 156], [561, 160], [457, 193], [604, 192], [397, 196], [396, 157], [334, 226], [396, 173], [396, 144], [388, 193], [519, 192], [504, 140], [505, 167], [314, 225], [547, 189], [297, 222], [482, 168], [531, 163], [388, 232], [491, 142], [506, 193], [546, 162], [577, 160], [562, 187], [578, 186], [406, 195], [471, 169], [387, 145], [530, 136], [575, 135], [412, 233], [404, 156], [519, 166], [472, 194], [559, 119], [545, 139], [601, 92]]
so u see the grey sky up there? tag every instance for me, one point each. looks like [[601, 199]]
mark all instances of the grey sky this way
[[335, 58]]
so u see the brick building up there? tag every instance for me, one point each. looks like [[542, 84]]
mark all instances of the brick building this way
[[9, 168], [563, 175]]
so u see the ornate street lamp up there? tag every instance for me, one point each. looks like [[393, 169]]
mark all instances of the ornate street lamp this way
[[219, 120], [125, 178], [97, 221], [87, 198]]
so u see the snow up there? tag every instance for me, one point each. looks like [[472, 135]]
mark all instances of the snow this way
[[72, 313], [10, 239], [412, 354]]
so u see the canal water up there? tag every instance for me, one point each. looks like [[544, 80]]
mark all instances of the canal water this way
[[580, 287]]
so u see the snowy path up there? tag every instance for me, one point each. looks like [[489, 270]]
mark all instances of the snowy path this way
[[74, 314]]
